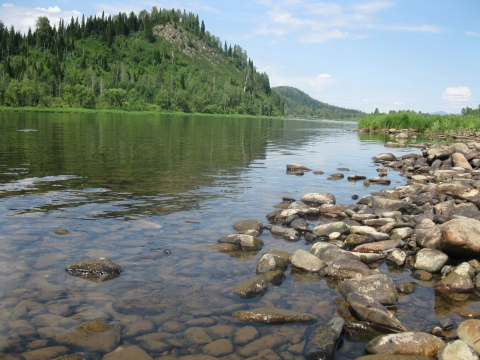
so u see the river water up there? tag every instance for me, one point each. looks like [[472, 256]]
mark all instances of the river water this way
[[127, 187]]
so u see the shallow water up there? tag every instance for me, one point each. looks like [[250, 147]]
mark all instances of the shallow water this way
[[129, 187]]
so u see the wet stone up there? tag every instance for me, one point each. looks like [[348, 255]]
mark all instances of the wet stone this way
[[323, 341], [268, 315], [271, 262], [347, 269], [246, 242], [197, 335], [265, 342], [245, 335], [304, 260], [128, 352], [458, 281], [244, 225], [94, 335], [405, 287], [457, 350], [379, 287], [173, 327], [219, 348], [95, 269], [422, 275], [251, 288], [138, 306], [397, 257], [46, 353], [407, 343]]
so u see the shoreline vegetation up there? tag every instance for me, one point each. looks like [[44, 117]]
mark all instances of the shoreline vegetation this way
[[422, 123]]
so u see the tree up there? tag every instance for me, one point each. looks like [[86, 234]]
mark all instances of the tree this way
[[43, 29], [376, 112], [202, 29]]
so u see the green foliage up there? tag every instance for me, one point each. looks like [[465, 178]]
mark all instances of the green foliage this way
[[164, 61], [299, 104], [419, 122]]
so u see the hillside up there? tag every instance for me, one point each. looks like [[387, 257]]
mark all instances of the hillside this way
[[299, 104], [163, 60]]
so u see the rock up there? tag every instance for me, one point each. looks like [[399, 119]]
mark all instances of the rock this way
[[422, 275], [319, 198], [219, 348], [137, 328], [94, 269], [93, 335], [407, 343], [327, 229], [283, 254], [428, 234], [379, 246], [469, 331], [273, 277], [356, 177], [331, 209], [251, 288], [457, 350], [270, 262], [127, 352], [323, 341], [266, 315], [368, 258], [245, 225], [397, 257], [297, 167], [304, 260], [370, 310], [460, 161], [140, 306], [265, 342], [382, 205], [334, 253], [405, 287], [355, 239], [380, 181], [370, 232], [446, 324], [458, 281], [197, 335], [461, 237], [245, 335], [401, 233], [379, 287], [298, 205], [347, 269], [384, 157], [287, 233], [46, 353], [246, 242], [430, 260]]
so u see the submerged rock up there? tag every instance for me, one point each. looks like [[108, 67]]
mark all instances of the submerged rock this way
[[244, 225], [267, 315], [246, 242], [94, 269], [324, 339], [93, 335]]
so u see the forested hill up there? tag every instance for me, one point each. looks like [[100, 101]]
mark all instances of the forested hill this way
[[162, 60], [297, 103]]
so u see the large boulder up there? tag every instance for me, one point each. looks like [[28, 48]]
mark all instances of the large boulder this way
[[379, 287], [97, 270], [407, 343], [461, 237]]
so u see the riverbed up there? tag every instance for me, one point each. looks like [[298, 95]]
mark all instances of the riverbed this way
[[154, 194]]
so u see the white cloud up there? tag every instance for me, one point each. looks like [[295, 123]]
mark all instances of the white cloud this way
[[8, 5], [457, 94], [398, 103], [320, 21], [23, 18], [54, 9], [472, 33]]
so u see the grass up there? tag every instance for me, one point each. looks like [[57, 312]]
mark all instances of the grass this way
[[420, 122]]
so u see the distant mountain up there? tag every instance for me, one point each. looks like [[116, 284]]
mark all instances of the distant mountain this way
[[299, 104], [439, 113]]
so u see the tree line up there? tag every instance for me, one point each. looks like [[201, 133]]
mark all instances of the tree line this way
[[120, 62]]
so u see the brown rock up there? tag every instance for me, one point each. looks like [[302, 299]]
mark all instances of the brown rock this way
[[45, 353], [461, 237], [379, 246], [127, 352], [93, 335], [469, 331], [460, 161], [265, 342], [219, 348], [407, 343], [266, 315], [245, 335]]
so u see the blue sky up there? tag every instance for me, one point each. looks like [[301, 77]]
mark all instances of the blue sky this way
[[405, 54]]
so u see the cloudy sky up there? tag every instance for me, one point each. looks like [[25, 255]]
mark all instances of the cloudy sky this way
[[404, 54]]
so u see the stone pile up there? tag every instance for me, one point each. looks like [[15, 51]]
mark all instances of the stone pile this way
[[431, 225]]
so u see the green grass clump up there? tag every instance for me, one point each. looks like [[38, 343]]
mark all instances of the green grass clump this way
[[419, 122]]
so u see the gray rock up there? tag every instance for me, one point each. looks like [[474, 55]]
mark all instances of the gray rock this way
[[296, 167], [428, 234], [430, 260], [458, 281], [333, 254], [347, 269], [246, 242], [324, 339], [304, 260], [397, 257], [319, 198], [299, 224], [382, 205], [298, 205], [379, 287], [380, 180], [327, 229], [379, 246], [251, 288], [460, 161], [401, 233], [244, 225], [94, 269], [384, 157], [372, 311], [270, 262]]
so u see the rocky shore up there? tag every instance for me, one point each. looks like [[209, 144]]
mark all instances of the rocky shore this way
[[430, 225]]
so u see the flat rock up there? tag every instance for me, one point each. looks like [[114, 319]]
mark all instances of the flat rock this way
[[469, 331], [266, 315], [382, 205], [379, 287], [334, 253], [407, 343], [430, 260], [94, 269], [401, 233], [347, 269], [318, 198], [127, 352], [93, 335], [371, 311], [327, 229], [296, 167], [244, 225], [324, 339], [306, 261], [379, 246]]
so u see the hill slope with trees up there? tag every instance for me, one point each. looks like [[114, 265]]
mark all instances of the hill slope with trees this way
[[299, 104], [163, 60]]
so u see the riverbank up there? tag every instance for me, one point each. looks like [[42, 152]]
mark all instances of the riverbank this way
[[429, 226]]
